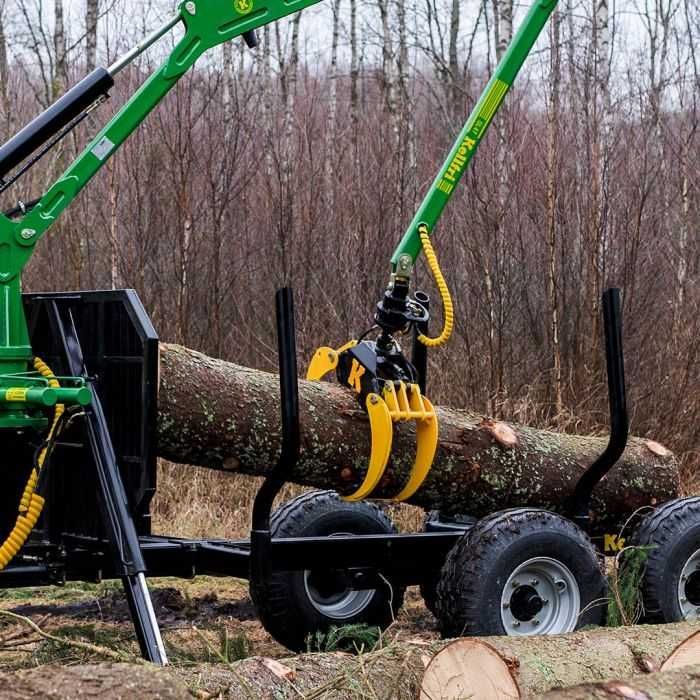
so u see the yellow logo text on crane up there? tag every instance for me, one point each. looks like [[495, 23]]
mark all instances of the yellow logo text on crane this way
[[243, 6], [356, 372]]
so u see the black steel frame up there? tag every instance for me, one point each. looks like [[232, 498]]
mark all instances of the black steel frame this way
[[127, 550]]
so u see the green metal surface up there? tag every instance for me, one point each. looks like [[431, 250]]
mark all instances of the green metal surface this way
[[207, 24], [474, 129]]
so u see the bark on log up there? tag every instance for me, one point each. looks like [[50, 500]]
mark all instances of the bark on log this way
[[681, 684], [538, 664], [220, 415], [104, 681]]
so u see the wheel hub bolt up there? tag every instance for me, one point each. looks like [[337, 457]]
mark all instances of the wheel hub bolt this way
[[535, 622], [515, 584], [516, 623], [684, 600], [535, 582], [506, 605], [545, 601]]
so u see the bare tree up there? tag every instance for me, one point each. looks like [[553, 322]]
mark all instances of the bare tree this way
[[332, 121], [60, 77], [4, 68], [91, 15], [553, 120], [388, 62], [503, 25]]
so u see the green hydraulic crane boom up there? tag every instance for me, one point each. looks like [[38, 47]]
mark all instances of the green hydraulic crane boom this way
[[474, 129]]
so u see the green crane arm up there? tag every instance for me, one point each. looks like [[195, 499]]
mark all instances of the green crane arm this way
[[474, 129], [207, 23]]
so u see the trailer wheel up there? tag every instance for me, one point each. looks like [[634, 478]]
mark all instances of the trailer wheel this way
[[434, 521], [521, 572], [671, 582], [296, 604]]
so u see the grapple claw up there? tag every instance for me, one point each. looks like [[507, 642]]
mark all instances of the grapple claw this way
[[400, 402], [386, 402], [382, 435]]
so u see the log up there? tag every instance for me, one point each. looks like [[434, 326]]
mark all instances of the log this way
[[681, 684], [220, 415], [687, 653], [509, 668], [396, 671], [106, 681]]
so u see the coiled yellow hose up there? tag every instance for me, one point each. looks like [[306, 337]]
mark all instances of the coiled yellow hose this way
[[32, 503], [448, 310]]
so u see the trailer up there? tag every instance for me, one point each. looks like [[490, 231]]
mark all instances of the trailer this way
[[79, 401]]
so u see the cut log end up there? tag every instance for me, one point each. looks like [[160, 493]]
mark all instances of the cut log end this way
[[468, 668], [687, 653]]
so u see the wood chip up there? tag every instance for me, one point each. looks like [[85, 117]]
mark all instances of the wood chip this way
[[280, 670], [501, 432], [625, 691], [657, 448]]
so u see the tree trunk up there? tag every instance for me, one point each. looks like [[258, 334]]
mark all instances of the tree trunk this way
[[4, 76], [91, 14], [553, 121], [683, 684], [220, 415]]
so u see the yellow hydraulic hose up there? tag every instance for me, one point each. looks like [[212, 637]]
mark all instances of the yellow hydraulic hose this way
[[32, 503], [448, 309]]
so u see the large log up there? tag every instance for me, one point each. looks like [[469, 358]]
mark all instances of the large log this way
[[538, 664], [681, 684], [220, 415], [518, 667]]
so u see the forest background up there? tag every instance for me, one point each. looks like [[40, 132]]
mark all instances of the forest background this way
[[301, 162]]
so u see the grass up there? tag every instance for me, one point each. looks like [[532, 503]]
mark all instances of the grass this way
[[114, 637], [198, 502], [625, 578], [358, 638]]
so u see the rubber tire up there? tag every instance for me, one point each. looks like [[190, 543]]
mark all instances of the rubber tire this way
[[283, 605], [480, 563], [428, 588], [673, 533]]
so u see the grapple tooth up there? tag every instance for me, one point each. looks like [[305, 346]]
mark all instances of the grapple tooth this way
[[390, 398], [325, 360], [426, 446], [404, 407], [382, 435]]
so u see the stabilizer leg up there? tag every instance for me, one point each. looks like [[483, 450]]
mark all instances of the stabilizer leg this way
[[119, 524]]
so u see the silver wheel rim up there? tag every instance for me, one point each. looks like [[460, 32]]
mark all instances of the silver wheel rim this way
[[338, 604], [541, 596], [689, 588]]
